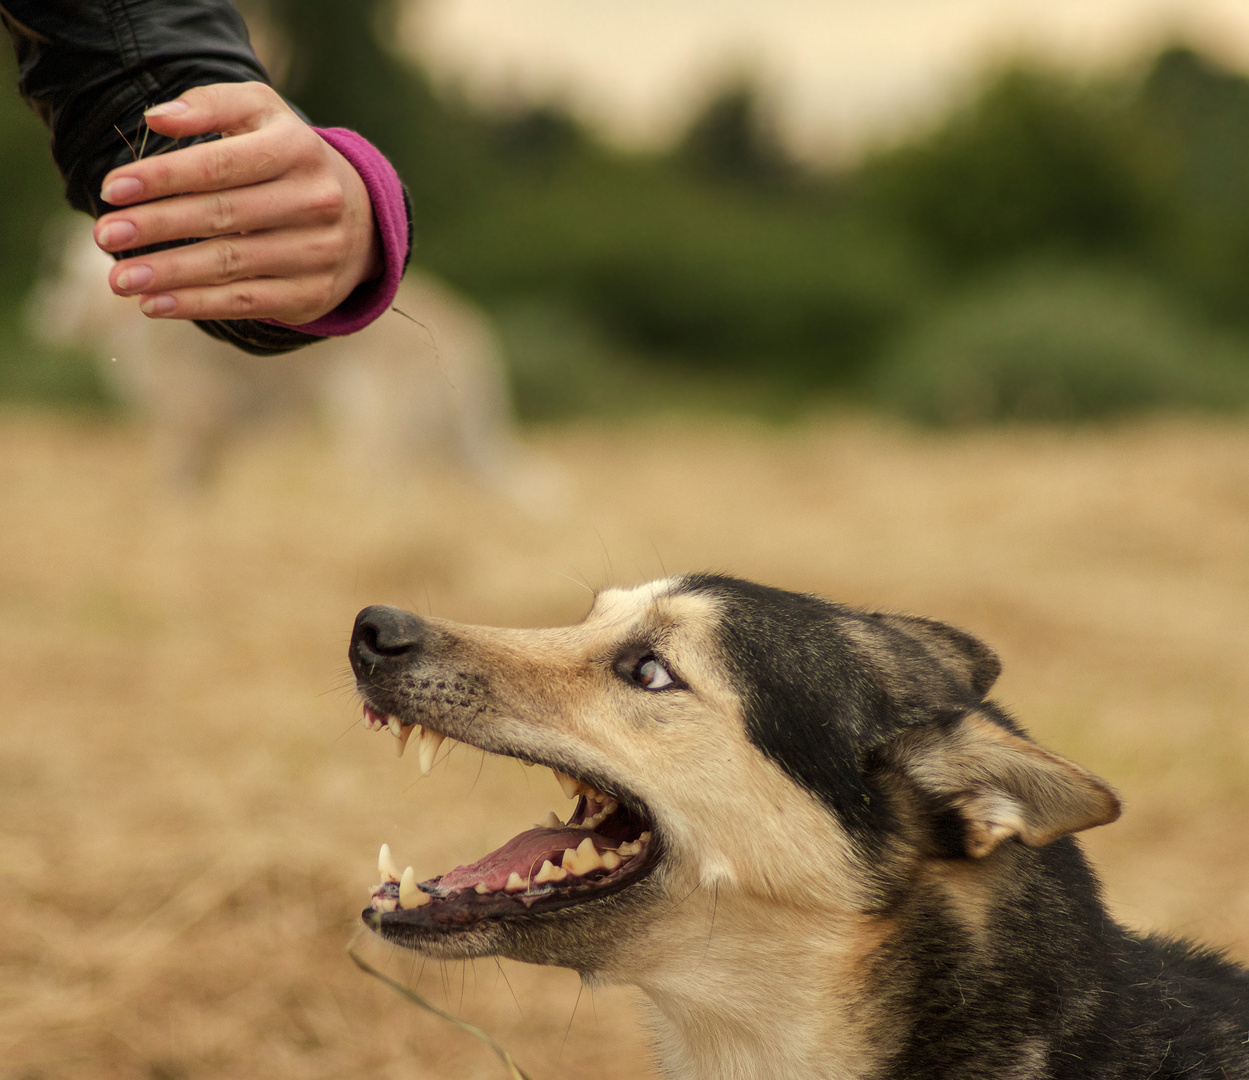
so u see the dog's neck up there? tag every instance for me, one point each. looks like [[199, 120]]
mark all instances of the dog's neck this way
[[746, 987]]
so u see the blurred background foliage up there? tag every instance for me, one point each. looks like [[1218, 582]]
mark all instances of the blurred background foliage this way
[[1052, 248]]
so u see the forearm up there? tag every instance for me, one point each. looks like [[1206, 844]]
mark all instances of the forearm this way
[[90, 69]]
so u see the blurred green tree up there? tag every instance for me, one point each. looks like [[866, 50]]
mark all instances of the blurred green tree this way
[[1031, 164]]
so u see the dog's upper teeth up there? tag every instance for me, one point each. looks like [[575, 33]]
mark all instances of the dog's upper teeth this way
[[572, 787], [410, 895], [395, 725], [595, 820], [403, 735], [551, 822], [427, 747], [386, 864]]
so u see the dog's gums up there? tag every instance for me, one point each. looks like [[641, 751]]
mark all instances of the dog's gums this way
[[600, 849]]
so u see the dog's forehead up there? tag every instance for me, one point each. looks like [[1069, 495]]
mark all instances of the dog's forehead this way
[[661, 601]]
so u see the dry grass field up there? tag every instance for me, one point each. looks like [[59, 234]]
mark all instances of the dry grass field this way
[[190, 810]]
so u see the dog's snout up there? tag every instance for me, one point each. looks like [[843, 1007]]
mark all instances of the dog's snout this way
[[385, 634]]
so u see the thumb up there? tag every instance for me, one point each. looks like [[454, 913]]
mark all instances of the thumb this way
[[228, 108]]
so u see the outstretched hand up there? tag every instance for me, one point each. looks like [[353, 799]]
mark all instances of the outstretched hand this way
[[289, 220]]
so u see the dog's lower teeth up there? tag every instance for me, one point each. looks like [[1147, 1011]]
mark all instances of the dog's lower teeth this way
[[515, 883], [629, 849], [386, 864], [583, 860], [549, 872], [410, 894]]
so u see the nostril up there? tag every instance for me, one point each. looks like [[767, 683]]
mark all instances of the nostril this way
[[384, 633]]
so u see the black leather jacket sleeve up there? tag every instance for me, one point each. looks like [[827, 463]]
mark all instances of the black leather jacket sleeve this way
[[90, 67]]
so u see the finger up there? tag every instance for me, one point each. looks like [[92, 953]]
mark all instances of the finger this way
[[229, 259], [230, 108], [288, 301], [274, 205], [212, 166]]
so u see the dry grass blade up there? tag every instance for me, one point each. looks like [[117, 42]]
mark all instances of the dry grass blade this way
[[516, 1071]]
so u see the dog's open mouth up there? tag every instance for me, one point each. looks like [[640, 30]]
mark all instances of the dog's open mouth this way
[[607, 844]]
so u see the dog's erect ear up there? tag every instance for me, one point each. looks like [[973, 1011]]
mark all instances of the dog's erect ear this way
[[968, 660], [1002, 785]]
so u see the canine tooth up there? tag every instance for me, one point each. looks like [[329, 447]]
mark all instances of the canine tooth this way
[[551, 821], [572, 788], [549, 872], [609, 859], [515, 883], [401, 740], [427, 747], [409, 895], [386, 864]]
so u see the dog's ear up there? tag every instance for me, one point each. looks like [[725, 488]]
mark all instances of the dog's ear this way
[[966, 659], [1001, 785]]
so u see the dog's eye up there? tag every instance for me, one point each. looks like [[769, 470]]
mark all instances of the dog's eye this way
[[651, 674]]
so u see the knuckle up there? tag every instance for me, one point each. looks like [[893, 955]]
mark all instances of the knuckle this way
[[325, 202], [241, 302], [218, 164], [229, 260], [220, 216]]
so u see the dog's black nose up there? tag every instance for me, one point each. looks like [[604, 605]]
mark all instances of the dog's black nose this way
[[385, 634]]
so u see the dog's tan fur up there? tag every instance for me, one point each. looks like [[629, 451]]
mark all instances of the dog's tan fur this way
[[768, 941]]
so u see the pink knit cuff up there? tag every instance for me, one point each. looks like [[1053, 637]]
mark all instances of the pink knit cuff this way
[[371, 298]]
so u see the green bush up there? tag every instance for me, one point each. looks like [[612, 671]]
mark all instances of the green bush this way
[[1060, 342]]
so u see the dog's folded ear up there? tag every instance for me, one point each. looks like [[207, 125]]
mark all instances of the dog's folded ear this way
[[1000, 784], [966, 660]]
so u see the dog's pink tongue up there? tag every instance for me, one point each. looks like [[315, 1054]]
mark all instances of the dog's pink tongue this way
[[522, 855]]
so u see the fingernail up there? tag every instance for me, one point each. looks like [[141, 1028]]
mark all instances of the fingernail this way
[[121, 190], [135, 278], [116, 234], [158, 305], [168, 108]]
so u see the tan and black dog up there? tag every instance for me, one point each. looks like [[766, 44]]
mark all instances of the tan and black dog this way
[[804, 833]]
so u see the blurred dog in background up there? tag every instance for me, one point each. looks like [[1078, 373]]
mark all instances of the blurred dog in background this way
[[402, 393]]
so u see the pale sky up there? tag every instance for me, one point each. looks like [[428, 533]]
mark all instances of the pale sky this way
[[839, 72]]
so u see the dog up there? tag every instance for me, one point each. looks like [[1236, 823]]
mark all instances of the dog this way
[[398, 394], [804, 832]]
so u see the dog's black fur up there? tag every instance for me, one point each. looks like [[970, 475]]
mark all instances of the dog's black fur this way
[[1050, 969]]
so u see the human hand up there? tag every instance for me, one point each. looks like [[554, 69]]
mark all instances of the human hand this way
[[290, 220]]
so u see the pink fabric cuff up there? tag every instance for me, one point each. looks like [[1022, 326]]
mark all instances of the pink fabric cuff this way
[[371, 298]]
